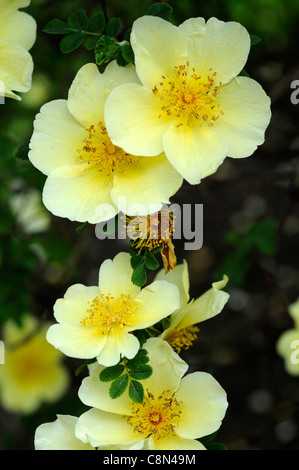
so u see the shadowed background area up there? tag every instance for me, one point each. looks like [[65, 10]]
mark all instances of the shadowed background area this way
[[250, 230]]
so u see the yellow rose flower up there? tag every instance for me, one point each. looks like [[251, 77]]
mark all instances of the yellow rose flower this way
[[89, 178], [32, 372], [176, 410], [190, 103], [287, 345], [17, 36], [97, 321], [182, 329]]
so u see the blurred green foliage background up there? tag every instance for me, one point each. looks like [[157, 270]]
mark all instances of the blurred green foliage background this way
[[251, 229]]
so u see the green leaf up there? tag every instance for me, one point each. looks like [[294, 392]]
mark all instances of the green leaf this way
[[141, 372], [243, 73], [113, 27], [215, 446], [105, 49], [163, 10], [110, 373], [23, 150], [127, 53], [254, 39], [209, 437], [139, 276], [118, 386], [71, 42], [97, 23], [57, 26], [140, 358], [150, 261], [91, 42], [136, 392], [121, 61], [142, 336], [78, 20], [80, 227], [136, 260], [85, 363]]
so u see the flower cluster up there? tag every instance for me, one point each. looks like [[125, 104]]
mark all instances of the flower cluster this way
[[123, 141]]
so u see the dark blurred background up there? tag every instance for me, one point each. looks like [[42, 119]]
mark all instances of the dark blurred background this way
[[250, 229]]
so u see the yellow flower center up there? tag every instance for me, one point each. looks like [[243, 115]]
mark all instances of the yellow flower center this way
[[108, 313], [182, 339], [98, 150], [157, 416], [189, 97]]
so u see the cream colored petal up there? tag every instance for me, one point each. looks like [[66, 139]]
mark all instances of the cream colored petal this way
[[82, 342], [59, 435], [18, 27], [247, 113], [287, 347], [294, 312], [115, 277], [174, 443], [56, 137], [132, 120], [105, 428], [203, 405], [195, 152], [119, 344], [163, 358], [95, 393], [208, 305], [217, 45], [132, 190], [86, 98], [158, 46], [115, 75], [179, 277], [8, 6], [78, 195], [16, 69], [156, 301], [72, 308]]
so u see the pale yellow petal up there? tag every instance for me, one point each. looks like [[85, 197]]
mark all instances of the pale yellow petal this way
[[173, 442], [82, 342], [217, 45], [16, 69], [132, 120], [163, 358], [86, 98], [156, 301], [105, 428], [72, 308], [247, 113], [18, 27], [132, 190], [115, 277], [59, 435], [179, 277], [78, 195], [56, 137], [95, 393], [203, 405], [158, 46], [294, 312], [117, 75], [208, 305], [195, 152], [119, 344], [287, 347]]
